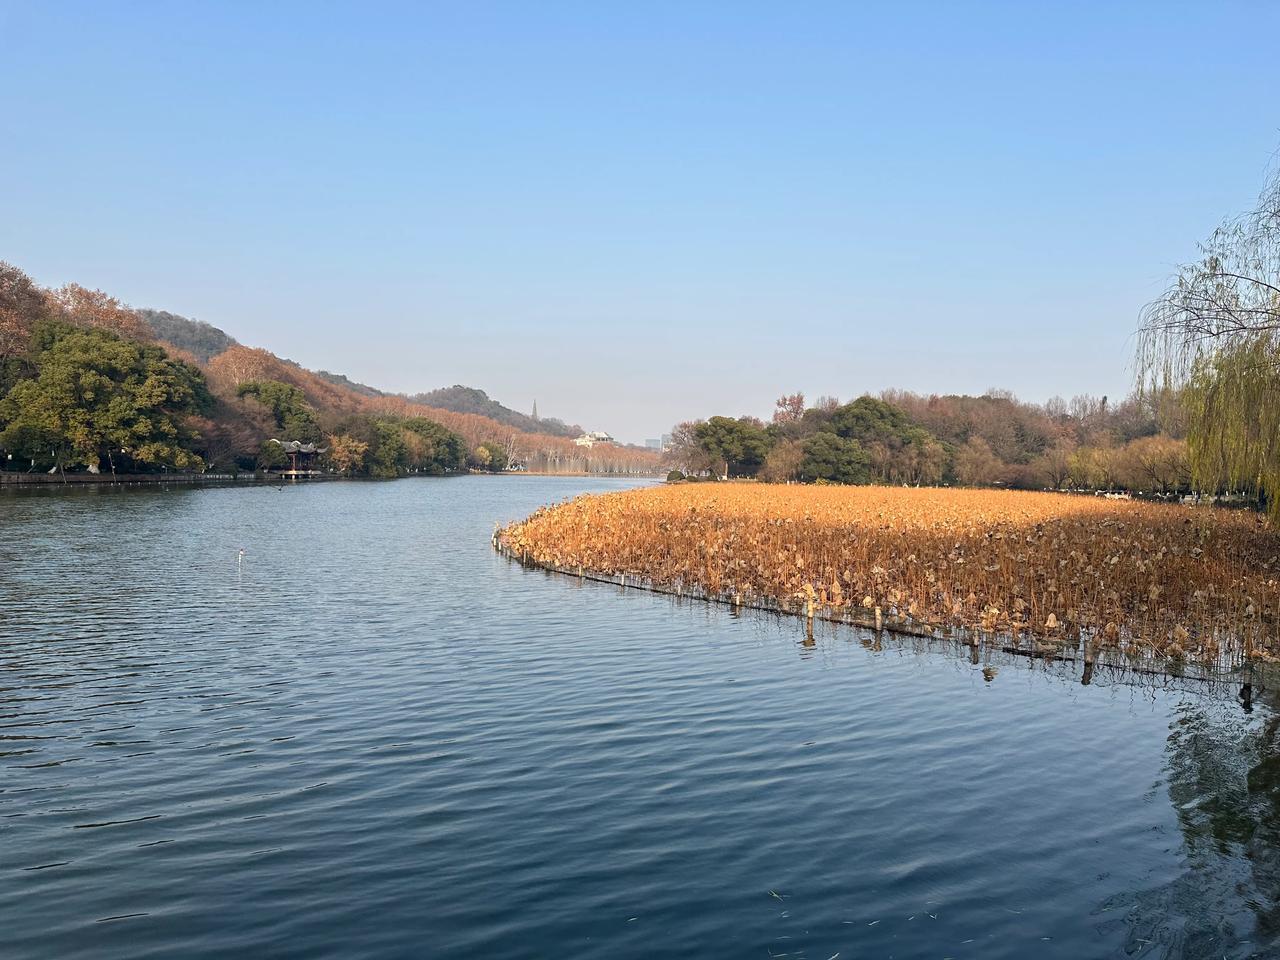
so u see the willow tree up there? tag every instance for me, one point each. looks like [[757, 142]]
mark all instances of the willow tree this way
[[1215, 334]]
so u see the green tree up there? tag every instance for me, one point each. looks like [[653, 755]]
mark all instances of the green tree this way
[[271, 455], [898, 450], [97, 397], [868, 419], [830, 457], [783, 462], [388, 456], [740, 445], [289, 408], [488, 456], [444, 450]]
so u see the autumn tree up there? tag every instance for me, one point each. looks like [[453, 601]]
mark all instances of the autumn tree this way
[[686, 450], [1055, 464], [782, 463], [346, 453], [487, 457], [22, 304], [223, 441], [93, 308], [789, 408], [239, 364], [1159, 463], [976, 465]]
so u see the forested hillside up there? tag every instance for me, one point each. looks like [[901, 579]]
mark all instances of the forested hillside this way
[[205, 341], [87, 383], [344, 381], [202, 340], [470, 400]]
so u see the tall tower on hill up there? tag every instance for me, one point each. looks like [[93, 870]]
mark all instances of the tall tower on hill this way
[[535, 409]]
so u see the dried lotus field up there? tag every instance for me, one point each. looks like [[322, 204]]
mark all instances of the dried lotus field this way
[[1040, 570]]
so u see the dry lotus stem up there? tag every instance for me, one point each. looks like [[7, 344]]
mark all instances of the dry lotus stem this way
[[1145, 579]]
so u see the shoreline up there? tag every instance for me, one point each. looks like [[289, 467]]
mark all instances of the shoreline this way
[[1192, 593], [44, 480], [128, 479], [978, 645]]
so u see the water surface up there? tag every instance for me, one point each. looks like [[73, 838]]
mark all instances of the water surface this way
[[375, 737]]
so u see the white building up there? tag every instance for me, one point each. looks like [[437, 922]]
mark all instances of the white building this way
[[592, 438]]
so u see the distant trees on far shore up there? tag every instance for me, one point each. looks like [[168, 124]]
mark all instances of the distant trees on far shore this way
[[991, 440]]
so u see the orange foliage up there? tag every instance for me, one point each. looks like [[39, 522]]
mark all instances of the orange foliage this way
[[21, 304], [241, 364], [93, 308]]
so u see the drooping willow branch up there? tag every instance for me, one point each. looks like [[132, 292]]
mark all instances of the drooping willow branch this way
[[1214, 334]]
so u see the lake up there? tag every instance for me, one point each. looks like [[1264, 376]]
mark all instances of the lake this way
[[374, 737]]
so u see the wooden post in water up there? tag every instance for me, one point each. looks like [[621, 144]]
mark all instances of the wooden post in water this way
[[879, 623]]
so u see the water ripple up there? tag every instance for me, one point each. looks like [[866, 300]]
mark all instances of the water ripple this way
[[377, 738]]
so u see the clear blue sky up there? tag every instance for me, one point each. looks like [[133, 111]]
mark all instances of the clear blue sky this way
[[641, 212]]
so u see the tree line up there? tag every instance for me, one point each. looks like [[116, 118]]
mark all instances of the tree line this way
[[1205, 415], [991, 440]]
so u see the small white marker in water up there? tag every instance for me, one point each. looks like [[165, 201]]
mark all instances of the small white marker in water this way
[[240, 556]]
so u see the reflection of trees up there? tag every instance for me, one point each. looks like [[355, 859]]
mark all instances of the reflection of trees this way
[[1224, 782]]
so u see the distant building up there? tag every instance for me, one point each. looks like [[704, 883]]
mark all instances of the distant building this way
[[654, 444], [592, 438]]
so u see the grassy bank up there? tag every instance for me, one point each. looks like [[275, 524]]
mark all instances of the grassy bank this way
[[1048, 570]]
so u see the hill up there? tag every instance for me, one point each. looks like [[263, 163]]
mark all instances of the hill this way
[[202, 340], [470, 400], [341, 380], [154, 390]]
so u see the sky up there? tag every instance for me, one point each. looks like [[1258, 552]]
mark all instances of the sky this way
[[640, 213]]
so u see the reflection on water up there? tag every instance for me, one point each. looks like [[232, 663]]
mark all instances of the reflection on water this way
[[372, 736], [1224, 783]]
